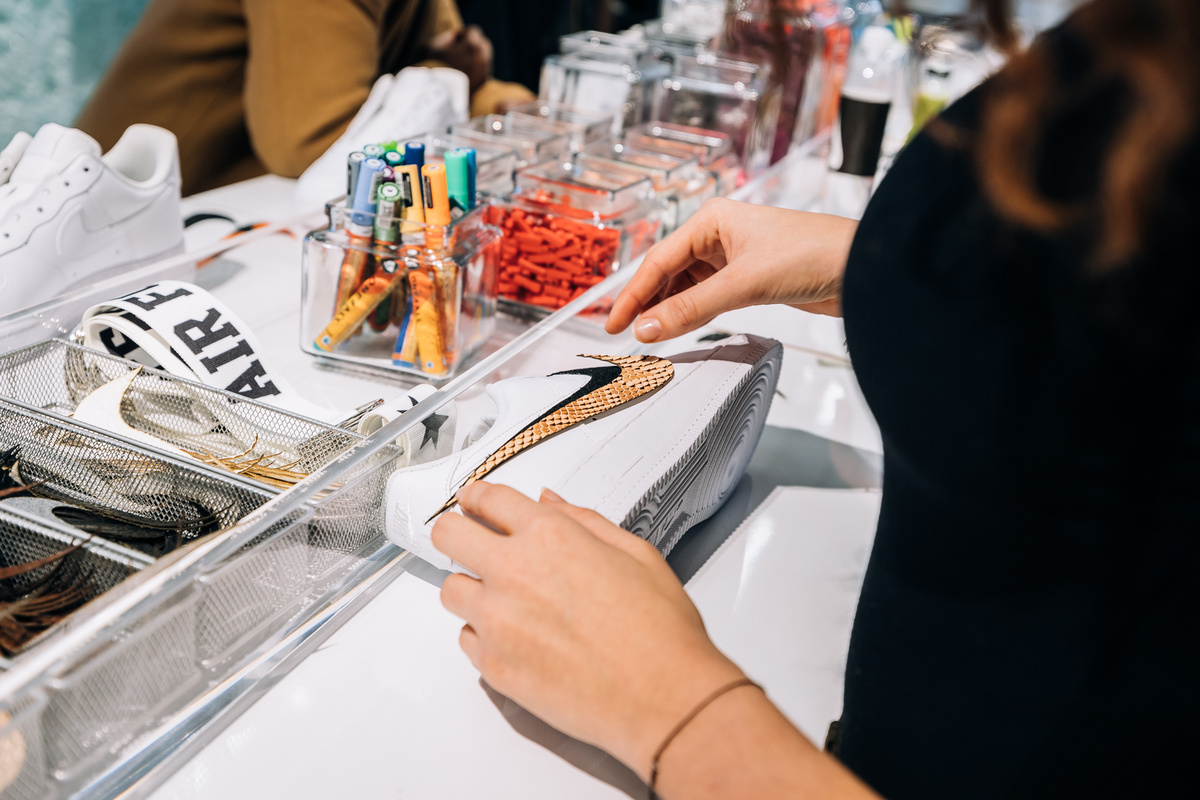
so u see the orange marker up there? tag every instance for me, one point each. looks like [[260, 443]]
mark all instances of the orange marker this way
[[362, 302]]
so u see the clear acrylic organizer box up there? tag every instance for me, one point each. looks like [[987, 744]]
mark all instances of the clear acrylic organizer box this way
[[584, 126], [567, 227], [532, 141], [679, 183], [712, 149], [726, 95], [440, 306], [496, 163]]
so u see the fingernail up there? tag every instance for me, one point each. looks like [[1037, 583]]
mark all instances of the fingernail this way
[[548, 496], [647, 329]]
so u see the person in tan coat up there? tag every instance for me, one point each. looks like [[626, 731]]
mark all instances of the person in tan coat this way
[[256, 86]]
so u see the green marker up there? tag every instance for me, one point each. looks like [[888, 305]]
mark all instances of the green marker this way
[[387, 216], [393, 159], [374, 150], [458, 182]]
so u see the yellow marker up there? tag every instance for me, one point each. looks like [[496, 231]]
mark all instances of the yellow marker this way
[[408, 178], [356, 308], [427, 323]]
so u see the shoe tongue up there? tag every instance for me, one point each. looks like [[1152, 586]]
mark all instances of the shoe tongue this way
[[52, 149]]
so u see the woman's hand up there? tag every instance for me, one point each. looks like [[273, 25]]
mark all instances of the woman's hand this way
[[585, 625], [731, 255], [579, 621], [467, 50]]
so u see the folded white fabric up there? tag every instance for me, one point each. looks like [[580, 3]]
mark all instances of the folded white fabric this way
[[411, 102], [656, 464]]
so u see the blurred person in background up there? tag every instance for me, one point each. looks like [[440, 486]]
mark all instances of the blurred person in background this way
[[257, 86], [1020, 302]]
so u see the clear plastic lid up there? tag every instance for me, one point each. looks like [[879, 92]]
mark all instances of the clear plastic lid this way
[[495, 162], [707, 146], [600, 189], [665, 170], [582, 125], [532, 140], [674, 38], [714, 74], [635, 52]]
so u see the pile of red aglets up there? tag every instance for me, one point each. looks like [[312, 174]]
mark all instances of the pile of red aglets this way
[[548, 260]]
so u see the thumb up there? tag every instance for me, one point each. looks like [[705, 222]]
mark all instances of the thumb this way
[[693, 307]]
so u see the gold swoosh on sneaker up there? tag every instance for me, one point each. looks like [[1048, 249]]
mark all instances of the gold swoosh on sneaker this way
[[640, 375]]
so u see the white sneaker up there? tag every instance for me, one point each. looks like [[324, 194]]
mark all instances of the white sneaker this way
[[69, 217], [656, 463]]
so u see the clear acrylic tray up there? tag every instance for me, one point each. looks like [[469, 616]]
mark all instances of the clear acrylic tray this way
[[120, 698]]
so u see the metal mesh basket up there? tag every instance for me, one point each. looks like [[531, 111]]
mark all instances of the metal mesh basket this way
[[79, 464], [105, 700], [259, 585], [55, 376], [22, 754], [23, 539], [348, 521]]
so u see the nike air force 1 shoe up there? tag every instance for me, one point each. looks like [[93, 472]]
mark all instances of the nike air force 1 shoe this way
[[69, 217], [654, 445], [11, 154]]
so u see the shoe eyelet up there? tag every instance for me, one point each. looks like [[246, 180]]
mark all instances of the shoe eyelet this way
[[87, 169]]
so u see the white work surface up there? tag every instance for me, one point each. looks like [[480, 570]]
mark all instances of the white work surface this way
[[388, 707]]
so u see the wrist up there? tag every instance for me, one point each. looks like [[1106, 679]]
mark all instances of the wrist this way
[[667, 704]]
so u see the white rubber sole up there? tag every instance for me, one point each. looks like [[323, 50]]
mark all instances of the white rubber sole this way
[[704, 477]]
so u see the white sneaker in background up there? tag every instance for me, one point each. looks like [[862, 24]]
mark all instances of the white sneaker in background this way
[[656, 464], [69, 217], [11, 154]]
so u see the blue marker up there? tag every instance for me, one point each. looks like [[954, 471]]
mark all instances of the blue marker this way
[[414, 155], [370, 175]]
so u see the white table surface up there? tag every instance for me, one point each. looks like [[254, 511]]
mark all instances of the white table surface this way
[[388, 707]]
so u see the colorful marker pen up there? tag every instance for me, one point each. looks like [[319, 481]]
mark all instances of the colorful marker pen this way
[[355, 309], [457, 183], [387, 233], [359, 229], [414, 154], [472, 173], [437, 198], [353, 164], [393, 159], [442, 312], [408, 178], [387, 215], [374, 150]]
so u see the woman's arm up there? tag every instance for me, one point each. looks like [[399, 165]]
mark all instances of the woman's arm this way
[[585, 625], [732, 255]]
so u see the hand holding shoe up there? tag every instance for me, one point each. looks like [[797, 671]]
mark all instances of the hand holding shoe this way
[[731, 255], [580, 622]]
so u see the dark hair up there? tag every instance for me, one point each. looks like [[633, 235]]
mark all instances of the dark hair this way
[[1151, 47]]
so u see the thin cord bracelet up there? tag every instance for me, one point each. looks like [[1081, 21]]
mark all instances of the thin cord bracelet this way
[[683, 723]]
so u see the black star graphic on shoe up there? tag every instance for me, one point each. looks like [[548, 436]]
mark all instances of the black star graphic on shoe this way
[[433, 423]]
